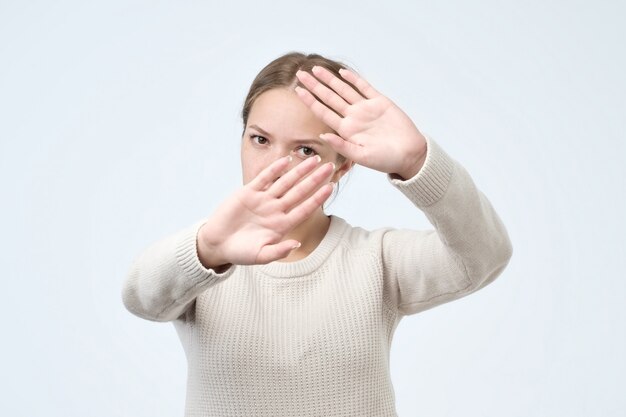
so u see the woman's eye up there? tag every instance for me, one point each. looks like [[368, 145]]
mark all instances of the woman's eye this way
[[306, 151], [259, 139]]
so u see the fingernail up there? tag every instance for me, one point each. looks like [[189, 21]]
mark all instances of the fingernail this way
[[296, 246], [318, 158], [333, 164]]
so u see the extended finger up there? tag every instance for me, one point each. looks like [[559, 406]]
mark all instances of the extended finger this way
[[352, 151], [364, 87], [294, 175], [307, 186], [347, 92], [305, 209], [269, 174], [328, 96], [322, 112]]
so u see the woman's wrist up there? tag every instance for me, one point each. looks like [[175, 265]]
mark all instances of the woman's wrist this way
[[412, 170], [208, 254]]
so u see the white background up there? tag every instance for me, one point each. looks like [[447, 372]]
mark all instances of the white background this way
[[119, 124]]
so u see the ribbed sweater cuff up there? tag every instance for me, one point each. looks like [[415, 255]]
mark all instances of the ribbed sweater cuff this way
[[188, 260], [431, 182]]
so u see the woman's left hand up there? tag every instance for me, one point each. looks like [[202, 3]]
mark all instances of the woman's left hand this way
[[373, 131]]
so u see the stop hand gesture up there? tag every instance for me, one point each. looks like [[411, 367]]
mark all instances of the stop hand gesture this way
[[373, 131], [248, 227]]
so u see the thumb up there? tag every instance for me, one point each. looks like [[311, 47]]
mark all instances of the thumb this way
[[270, 253]]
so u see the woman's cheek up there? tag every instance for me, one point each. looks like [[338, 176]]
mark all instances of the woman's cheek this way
[[253, 168]]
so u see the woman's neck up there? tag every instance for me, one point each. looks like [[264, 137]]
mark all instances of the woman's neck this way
[[309, 233]]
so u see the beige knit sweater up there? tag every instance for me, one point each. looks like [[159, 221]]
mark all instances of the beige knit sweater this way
[[312, 337]]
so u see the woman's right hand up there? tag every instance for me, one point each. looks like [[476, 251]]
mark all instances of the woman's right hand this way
[[248, 227]]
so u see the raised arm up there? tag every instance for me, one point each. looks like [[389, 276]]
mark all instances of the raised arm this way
[[165, 279], [468, 249], [470, 246], [249, 227]]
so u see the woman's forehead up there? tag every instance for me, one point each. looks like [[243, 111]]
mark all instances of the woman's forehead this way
[[280, 111]]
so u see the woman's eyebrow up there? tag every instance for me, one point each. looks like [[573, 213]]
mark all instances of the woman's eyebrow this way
[[261, 130], [304, 141]]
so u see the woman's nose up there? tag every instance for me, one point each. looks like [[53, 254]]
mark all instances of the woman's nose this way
[[275, 156]]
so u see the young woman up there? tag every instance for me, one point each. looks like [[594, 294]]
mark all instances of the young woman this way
[[283, 310]]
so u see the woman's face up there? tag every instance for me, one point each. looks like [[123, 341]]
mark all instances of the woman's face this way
[[280, 124]]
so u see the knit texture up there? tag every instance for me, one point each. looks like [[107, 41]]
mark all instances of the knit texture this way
[[312, 337]]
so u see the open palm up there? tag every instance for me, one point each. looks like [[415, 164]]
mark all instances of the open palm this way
[[372, 130], [249, 227]]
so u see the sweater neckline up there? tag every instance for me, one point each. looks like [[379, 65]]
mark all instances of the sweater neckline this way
[[313, 260]]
